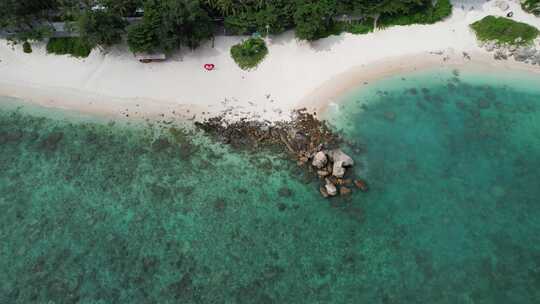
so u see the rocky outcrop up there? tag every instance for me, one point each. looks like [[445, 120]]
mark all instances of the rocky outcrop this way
[[309, 141]]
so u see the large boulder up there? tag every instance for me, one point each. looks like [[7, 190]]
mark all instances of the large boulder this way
[[337, 155], [319, 160], [340, 160], [338, 170]]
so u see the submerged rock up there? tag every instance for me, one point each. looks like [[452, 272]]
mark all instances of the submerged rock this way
[[390, 116], [344, 191], [14, 136], [483, 104], [285, 192], [362, 185], [51, 141]]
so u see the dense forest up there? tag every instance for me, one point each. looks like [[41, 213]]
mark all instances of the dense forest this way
[[168, 25]]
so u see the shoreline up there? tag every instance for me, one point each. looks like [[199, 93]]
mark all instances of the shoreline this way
[[335, 88], [317, 101], [294, 75]]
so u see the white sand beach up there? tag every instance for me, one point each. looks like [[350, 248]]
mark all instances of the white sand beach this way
[[295, 74]]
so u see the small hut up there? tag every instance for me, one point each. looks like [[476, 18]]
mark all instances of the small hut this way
[[147, 57]]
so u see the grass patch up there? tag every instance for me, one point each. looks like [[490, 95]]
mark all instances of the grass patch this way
[[249, 53], [427, 15], [531, 6], [69, 46], [504, 30]]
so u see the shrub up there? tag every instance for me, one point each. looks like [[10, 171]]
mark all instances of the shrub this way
[[69, 45], [427, 15], [27, 48], [249, 53], [531, 6], [504, 30]]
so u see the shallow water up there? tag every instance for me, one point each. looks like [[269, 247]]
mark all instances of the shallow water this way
[[95, 212]]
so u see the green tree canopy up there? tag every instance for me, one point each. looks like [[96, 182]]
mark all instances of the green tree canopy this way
[[313, 18], [170, 24], [25, 17], [101, 27]]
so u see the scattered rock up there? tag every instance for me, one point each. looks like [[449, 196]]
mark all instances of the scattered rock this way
[[319, 160], [527, 53], [490, 46], [330, 188], [281, 207], [323, 192], [362, 185], [502, 5], [524, 53], [500, 55]]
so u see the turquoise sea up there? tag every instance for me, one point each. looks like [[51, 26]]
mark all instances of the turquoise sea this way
[[93, 211]]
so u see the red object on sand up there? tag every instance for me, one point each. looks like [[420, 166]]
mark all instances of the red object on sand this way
[[209, 66]]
